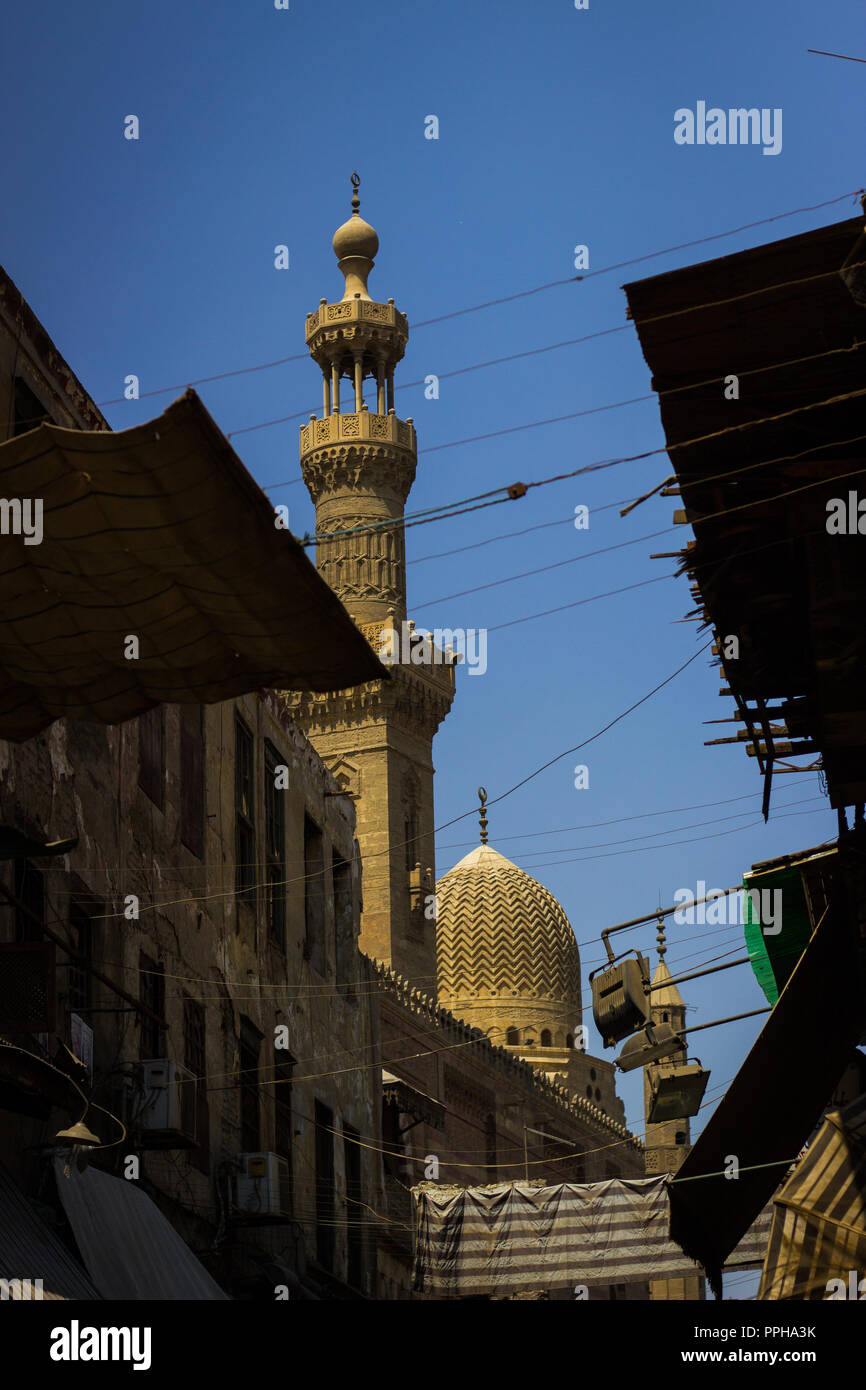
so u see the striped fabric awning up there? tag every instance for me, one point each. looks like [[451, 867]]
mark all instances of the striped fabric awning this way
[[818, 1234], [524, 1235]]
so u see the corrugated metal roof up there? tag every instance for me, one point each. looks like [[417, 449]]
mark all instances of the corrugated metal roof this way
[[130, 1249], [157, 532], [30, 1250]]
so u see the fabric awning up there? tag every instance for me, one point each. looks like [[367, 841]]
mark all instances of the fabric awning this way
[[774, 1101], [819, 1227], [158, 533], [522, 1236], [29, 1249], [131, 1251]]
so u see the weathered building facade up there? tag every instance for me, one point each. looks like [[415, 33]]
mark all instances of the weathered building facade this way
[[281, 1091], [460, 1109], [196, 951]]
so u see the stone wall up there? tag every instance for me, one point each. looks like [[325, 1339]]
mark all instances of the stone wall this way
[[215, 949]]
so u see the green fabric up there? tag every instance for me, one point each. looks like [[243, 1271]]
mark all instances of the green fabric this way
[[773, 957]]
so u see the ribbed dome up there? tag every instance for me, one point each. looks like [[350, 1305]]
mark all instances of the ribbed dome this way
[[505, 949]]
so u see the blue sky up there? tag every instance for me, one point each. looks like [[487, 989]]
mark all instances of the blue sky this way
[[156, 257]]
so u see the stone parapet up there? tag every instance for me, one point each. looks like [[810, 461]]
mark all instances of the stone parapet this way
[[499, 1058]]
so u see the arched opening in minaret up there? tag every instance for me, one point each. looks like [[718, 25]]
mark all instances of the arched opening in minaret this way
[[545, 1037], [512, 1037]]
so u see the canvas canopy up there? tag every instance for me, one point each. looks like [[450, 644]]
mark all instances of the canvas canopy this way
[[157, 533], [818, 1236], [524, 1235]]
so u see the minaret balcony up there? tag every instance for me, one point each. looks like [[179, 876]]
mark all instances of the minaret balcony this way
[[329, 319], [359, 427]]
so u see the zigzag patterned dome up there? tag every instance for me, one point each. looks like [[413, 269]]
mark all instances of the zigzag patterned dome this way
[[506, 956]]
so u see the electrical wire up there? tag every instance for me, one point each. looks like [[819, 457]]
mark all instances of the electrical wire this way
[[207, 865], [515, 491], [545, 569], [618, 820], [643, 849], [234, 892], [506, 299]]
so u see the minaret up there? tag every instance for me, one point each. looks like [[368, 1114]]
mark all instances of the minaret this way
[[359, 465], [668, 1143]]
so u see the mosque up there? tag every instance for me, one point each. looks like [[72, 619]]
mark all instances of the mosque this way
[[486, 1076]]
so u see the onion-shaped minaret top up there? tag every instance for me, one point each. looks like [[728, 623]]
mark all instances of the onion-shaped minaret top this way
[[355, 246]]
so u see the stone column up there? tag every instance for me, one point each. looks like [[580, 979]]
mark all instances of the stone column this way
[[335, 388], [359, 383]]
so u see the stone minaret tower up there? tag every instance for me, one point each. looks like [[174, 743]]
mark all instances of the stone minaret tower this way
[[358, 461], [668, 1143]]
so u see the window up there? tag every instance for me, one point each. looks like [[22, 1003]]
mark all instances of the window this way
[[195, 1060], [680, 1137], [512, 1037], [344, 923], [314, 895], [665, 1017], [28, 409], [569, 1040], [545, 1037], [248, 1052], [275, 849], [78, 985], [324, 1118], [151, 992], [283, 1074], [151, 754], [354, 1211], [192, 778], [617, 1292], [30, 892], [245, 829]]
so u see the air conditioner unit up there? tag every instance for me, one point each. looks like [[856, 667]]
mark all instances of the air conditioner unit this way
[[163, 1105], [263, 1186]]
